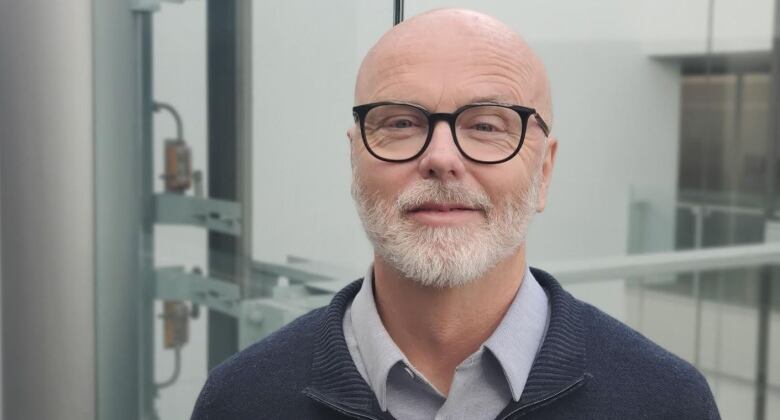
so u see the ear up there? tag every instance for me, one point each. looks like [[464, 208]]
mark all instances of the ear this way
[[547, 169], [350, 136]]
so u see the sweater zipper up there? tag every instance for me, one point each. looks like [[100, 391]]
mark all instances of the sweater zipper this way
[[342, 410], [549, 398]]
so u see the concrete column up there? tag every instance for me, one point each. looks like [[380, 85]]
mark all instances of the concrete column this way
[[48, 213]]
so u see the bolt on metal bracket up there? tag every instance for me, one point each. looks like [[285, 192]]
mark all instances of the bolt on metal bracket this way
[[217, 215], [174, 283]]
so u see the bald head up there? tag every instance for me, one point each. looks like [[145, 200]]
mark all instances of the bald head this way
[[427, 59]]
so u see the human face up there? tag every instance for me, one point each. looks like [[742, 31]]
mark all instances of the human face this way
[[441, 219]]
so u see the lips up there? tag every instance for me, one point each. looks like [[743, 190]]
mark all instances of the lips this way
[[445, 214], [441, 207]]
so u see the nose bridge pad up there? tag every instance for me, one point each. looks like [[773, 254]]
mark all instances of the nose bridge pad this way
[[442, 157], [443, 124]]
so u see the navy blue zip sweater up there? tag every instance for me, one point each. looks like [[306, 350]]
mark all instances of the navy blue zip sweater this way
[[590, 366]]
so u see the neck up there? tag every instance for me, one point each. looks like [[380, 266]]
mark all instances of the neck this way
[[437, 328]]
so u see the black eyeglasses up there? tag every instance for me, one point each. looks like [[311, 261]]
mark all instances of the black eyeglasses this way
[[483, 133]]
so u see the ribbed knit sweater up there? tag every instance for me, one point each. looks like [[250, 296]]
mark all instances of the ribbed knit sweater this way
[[590, 366]]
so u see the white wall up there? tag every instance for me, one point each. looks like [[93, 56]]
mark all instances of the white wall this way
[[306, 56], [674, 28]]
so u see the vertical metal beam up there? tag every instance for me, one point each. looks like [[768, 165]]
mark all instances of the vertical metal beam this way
[[762, 345], [699, 212], [223, 166], [144, 111], [123, 185], [244, 75], [398, 11]]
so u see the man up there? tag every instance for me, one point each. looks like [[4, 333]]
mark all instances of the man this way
[[452, 155]]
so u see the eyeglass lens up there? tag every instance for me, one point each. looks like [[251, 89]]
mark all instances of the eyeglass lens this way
[[484, 132]]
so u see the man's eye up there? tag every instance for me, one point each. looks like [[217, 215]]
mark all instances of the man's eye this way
[[400, 123], [484, 127]]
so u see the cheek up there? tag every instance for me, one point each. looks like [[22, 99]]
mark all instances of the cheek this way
[[503, 182], [380, 178], [525, 166]]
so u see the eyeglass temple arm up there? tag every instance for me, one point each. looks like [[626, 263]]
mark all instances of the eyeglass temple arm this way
[[542, 124]]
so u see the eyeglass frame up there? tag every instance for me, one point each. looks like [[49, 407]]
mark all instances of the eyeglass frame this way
[[359, 113]]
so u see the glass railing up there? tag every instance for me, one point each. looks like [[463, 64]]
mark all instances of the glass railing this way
[[706, 306]]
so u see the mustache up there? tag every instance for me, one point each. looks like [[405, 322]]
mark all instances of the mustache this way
[[429, 191]]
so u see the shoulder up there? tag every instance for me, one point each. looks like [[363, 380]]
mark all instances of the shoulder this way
[[627, 374], [627, 364], [265, 377]]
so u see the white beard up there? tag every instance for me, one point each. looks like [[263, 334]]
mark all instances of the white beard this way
[[445, 256]]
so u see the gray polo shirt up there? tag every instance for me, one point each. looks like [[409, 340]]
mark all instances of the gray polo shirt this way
[[483, 384]]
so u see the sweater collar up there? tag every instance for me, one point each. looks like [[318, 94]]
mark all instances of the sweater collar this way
[[558, 367], [520, 334]]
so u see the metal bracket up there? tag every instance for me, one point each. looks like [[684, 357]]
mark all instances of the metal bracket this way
[[150, 6], [174, 283], [314, 277], [212, 214], [145, 6]]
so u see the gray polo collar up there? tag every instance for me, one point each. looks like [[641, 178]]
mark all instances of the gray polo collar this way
[[377, 349], [514, 343]]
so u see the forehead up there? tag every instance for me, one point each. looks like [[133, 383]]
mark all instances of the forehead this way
[[446, 70]]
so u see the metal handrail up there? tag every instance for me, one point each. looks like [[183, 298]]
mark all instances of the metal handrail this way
[[620, 267], [706, 207], [600, 269]]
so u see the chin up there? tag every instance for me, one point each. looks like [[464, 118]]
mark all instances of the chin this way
[[431, 260]]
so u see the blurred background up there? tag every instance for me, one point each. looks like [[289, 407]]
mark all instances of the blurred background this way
[[174, 184]]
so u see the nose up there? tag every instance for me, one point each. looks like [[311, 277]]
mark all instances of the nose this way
[[441, 159]]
